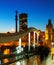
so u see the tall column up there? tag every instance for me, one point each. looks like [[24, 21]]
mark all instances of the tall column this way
[[34, 39], [20, 44], [37, 37], [29, 41], [16, 18]]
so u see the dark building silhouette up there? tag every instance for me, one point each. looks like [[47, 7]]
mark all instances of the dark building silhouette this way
[[16, 19], [23, 25]]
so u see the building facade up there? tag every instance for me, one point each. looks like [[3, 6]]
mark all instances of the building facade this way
[[49, 33], [23, 24]]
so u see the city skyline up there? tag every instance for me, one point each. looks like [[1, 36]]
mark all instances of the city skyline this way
[[38, 11]]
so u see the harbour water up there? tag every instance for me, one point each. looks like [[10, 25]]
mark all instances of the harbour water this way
[[30, 61]]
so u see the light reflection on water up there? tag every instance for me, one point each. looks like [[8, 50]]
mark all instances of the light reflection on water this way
[[18, 63], [30, 61], [23, 62]]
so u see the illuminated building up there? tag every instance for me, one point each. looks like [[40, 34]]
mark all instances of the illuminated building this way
[[41, 37], [49, 34], [23, 22]]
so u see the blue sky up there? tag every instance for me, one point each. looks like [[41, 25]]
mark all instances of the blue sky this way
[[39, 11]]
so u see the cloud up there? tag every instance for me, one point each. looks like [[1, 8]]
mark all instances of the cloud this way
[[12, 30]]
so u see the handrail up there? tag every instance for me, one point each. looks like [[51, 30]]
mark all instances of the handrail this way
[[15, 36], [25, 56]]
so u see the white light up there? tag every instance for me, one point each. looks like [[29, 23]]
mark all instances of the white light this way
[[17, 63], [29, 41], [52, 44], [20, 42]]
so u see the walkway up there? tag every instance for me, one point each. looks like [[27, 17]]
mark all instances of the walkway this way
[[49, 61]]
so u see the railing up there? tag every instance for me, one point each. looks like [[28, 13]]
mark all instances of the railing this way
[[17, 57], [18, 36]]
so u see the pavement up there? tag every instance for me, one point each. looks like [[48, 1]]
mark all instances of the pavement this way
[[48, 61]]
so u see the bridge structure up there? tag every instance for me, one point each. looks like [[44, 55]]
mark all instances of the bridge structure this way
[[15, 40]]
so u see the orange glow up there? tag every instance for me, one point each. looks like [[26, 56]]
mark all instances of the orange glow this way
[[52, 50], [13, 43], [46, 37], [6, 51], [6, 60], [24, 43]]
